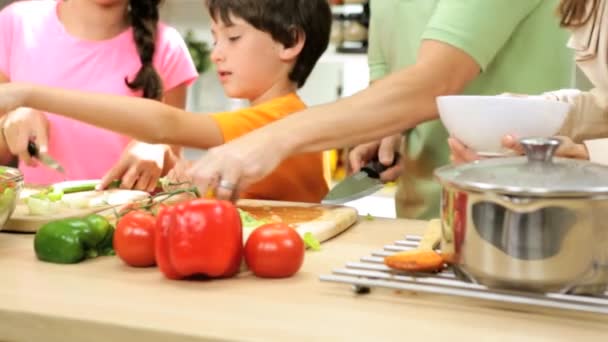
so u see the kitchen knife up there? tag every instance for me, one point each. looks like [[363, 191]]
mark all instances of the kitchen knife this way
[[46, 159], [360, 184]]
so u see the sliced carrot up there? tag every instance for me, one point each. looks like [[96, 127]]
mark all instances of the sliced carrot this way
[[449, 258], [415, 261]]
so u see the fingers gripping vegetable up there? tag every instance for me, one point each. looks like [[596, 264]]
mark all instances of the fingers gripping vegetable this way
[[199, 237], [72, 240]]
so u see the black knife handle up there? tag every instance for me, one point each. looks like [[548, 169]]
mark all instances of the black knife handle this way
[[32, 148], [374, 168]]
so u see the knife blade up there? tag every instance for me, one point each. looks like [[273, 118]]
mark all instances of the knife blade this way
[[46, 159], [360, 184]]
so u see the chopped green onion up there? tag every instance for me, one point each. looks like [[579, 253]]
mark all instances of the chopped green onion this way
[[311, 242], [42, 206], [55, 196], [249, 221]]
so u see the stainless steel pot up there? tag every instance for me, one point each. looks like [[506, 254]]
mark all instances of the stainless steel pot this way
[[537, 223]]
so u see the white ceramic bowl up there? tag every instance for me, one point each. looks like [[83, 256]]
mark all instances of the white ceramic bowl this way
[[481, 122]]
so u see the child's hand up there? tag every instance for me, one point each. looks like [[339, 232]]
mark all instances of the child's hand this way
[[139, 167], [384, 149], [177, 177], [21, 126]]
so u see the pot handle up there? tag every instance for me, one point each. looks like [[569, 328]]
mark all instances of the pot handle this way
[[527, 205]]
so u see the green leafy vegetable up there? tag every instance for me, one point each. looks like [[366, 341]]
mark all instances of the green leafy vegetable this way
[[249, 221], [311, 242]]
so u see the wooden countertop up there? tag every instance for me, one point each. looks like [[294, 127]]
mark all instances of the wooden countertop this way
[[103, 300]]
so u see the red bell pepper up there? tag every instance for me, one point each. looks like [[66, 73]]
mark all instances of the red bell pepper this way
[[199, 237]]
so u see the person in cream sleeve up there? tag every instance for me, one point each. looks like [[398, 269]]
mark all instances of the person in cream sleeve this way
[[585, 132]]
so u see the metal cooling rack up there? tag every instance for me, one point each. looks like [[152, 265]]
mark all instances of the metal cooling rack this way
[[371, 272]]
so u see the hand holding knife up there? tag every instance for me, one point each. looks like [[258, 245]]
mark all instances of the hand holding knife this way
[[44, 158], [360, 184], [24, 130]]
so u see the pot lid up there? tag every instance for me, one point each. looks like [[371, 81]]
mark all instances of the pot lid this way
[[537, 174]]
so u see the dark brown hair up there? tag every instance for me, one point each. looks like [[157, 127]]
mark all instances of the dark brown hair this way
[[144, 16], [284, 20], [573, 13]]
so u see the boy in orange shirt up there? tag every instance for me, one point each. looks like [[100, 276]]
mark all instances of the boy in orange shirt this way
[[263, 51]]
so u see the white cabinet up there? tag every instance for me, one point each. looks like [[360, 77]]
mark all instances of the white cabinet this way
[[335, 76]]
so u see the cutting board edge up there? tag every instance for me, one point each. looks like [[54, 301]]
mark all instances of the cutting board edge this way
[[22, 223]]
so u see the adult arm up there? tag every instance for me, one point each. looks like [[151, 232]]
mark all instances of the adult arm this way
[[391, 105]]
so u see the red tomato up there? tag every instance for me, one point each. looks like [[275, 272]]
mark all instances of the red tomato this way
[[274, 250], [134, 238]]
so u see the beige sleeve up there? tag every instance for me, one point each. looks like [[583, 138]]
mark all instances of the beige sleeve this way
[[598, 150], [588, 117]]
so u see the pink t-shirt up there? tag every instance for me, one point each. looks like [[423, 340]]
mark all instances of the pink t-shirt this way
[[35, 48]]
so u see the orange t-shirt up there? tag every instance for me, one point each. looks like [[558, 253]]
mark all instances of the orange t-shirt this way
[[299, 178]]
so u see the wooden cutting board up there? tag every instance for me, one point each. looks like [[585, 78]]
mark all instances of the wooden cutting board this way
[[323, 221], [22, 221]]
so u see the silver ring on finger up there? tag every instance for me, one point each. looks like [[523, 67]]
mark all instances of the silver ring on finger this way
[[227, 185]]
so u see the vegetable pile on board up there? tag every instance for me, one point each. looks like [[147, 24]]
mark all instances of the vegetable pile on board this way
[[198, 237], [51, 200]]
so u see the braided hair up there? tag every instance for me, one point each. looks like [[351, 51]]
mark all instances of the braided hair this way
[[144, 17]]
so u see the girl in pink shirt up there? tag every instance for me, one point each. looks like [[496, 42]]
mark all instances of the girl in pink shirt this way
[[108, 46]]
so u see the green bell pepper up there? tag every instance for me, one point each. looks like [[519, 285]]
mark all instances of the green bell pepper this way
[[72, 240]]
